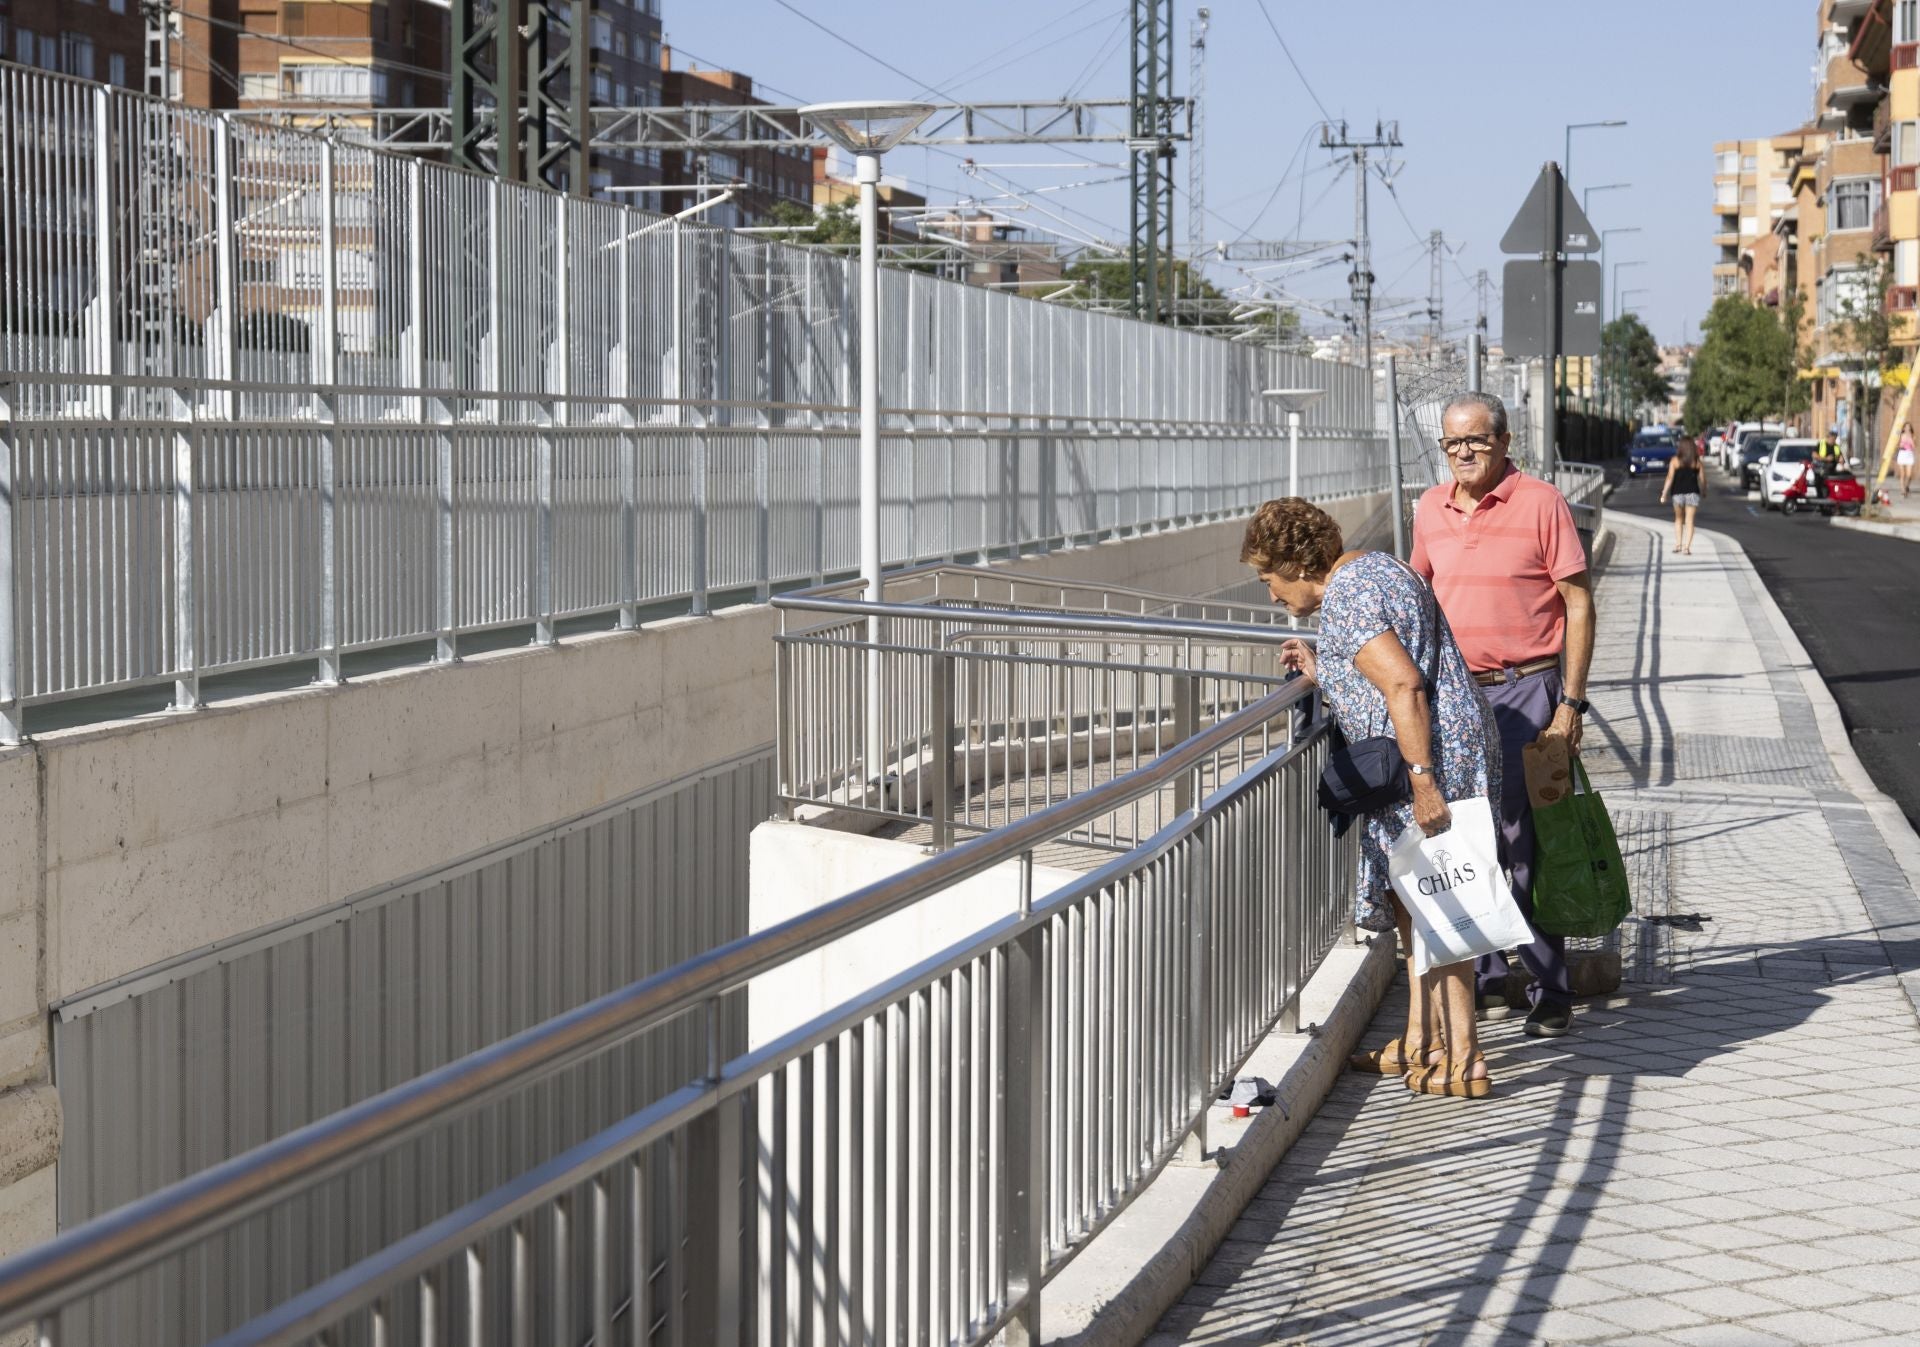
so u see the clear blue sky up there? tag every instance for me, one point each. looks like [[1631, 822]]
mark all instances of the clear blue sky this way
[[1481, 89]]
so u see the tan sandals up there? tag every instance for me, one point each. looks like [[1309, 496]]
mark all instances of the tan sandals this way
[[1449, 1079], [1391, 1060]]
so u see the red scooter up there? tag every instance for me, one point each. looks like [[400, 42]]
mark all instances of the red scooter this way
[[1830, 490]]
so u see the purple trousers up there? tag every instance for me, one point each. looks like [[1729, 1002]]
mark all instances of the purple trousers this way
[[1521, 710]]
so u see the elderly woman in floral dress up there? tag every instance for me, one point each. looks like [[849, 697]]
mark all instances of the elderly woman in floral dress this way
[[1379, 626]]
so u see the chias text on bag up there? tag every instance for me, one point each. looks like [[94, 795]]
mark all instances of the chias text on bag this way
[[1454, 888]]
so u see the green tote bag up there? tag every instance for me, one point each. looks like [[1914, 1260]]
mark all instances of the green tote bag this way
[[1579, 881]]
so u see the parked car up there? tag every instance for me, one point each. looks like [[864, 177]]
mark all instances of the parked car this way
[[1781, 469], [1755, 452], [1731, 447], [1650, 452]]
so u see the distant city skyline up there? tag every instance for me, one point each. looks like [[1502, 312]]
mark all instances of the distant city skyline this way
[[1481, 106]]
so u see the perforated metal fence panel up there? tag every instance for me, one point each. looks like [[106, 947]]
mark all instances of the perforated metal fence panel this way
[[186, 1064]]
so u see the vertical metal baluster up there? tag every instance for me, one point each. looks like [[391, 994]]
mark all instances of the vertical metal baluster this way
[[560, 1286], [640, 1268], [12, 720], [477, 1298], [429, 1296], [600, 1250], [881, 1136], [1021, 1108]]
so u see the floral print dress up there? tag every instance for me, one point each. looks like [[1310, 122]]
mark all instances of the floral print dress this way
[[1369, 595]]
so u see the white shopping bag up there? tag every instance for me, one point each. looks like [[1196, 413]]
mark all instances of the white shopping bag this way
[[1454, 887]]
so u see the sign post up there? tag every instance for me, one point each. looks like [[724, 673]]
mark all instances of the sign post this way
[[1547, 301]]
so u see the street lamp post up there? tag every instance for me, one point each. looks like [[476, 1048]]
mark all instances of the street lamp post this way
[[1631, 290], [867, 131], [1293, 401], [1566, 159], [1606, 234]]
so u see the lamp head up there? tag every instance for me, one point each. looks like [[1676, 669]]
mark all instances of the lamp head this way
[[867, 128], [1294, 399]]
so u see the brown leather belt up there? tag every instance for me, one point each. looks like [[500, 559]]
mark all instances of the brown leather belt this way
[[1513, 674]]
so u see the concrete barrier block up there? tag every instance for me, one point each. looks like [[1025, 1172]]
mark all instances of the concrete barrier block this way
[[583, 767], [23, 1052], [19, 966], [611, 678], [115, 790], [397, 823], [20, 831], [111, 915], [734, 644], [400, 723]]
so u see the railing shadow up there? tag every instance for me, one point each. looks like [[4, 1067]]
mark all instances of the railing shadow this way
[[1432, 1220]]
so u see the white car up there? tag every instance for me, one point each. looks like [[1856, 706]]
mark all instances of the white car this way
[[1782, 469]]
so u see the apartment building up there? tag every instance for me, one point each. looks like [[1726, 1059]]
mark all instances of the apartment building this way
[[95, 41], [762, 177], [1750, 193]]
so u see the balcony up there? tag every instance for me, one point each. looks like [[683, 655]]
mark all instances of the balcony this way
[[1906, 55], [1882, 238], [1883, 126], [1900, 298], [1900, 178]]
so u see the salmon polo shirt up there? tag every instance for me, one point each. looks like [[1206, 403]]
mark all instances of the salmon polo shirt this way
[[1495, 571]]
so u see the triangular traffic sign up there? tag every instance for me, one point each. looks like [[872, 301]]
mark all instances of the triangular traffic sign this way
[[1527, 233]]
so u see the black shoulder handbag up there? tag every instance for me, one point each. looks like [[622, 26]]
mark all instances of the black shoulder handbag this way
[[1370, 774]]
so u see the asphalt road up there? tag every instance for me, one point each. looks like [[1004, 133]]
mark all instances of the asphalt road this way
[[1854, 600]]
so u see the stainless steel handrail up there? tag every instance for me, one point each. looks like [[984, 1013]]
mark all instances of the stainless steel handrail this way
[[42, 1279], [1041, 620]]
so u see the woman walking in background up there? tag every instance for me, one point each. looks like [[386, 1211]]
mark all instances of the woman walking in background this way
[[1380, 632], [1683, 488], [1903, 459]]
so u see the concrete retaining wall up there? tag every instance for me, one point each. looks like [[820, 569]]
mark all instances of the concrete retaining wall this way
[[128, 843]]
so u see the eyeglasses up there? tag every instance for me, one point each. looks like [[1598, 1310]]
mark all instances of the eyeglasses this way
[[1477, 445]]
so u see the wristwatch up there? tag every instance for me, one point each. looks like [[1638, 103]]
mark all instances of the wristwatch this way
[[1578, 705], [1419, 769]]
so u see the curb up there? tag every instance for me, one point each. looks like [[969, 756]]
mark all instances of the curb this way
[[1905, 532], [1136, 1310]]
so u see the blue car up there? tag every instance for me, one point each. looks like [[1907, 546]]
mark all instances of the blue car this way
[[1649, 453]]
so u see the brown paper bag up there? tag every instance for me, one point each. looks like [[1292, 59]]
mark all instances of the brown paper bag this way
[[1549, 775]]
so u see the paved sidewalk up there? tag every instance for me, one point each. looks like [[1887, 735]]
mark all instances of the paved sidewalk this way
[[1730, 1155]]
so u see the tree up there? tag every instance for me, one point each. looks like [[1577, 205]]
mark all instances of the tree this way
[[1104, 283], [1747, 364], [838, 223], [1863, 328], [1631, 358]]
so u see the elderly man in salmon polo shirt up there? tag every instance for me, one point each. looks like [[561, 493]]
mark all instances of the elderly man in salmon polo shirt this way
[[1511, 576]]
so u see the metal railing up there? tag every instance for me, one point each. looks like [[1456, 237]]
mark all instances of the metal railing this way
[[996, 694], [913, 1165], [268, 399]]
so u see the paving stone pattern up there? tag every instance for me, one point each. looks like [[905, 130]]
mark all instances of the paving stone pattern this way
[[1727, 1159]]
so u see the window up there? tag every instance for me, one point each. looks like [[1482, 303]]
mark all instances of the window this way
[[332, 81], [602, 33], [1906, 262], [1729, 163], [1906, 21], [620, 43], [262, 85], [1749, 163], [117, 69], [117, 6], [1906, 143], [602, 87], [1850, 203], [1749, 195]]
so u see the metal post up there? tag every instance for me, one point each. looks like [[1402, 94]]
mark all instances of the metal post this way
[[100, 316], [940, 750], [1476, 363], [326, 347], [1186, 724], [186, 683], [1293, 451], [1196, 1012], [1550, 259], [1393, 460], [867, 171], [226, 319], [13, 728], [416, 334], [1023, 1111], [712, 1266], [560, 384], [622, 386]]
